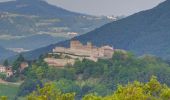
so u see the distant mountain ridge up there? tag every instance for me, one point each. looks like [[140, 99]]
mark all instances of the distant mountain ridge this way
[[35, 7], [35, 15], [146, 32], [33, 20]]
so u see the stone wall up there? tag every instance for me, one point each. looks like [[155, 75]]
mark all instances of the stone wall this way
[[59, 62]]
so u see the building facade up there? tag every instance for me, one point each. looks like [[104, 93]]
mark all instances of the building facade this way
[[7, 70], [2, 69], [23, 65]]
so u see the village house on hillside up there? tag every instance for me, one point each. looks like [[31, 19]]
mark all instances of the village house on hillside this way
[[23, 65], [7, 70], [79, 51]]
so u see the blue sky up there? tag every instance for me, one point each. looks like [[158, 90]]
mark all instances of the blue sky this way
[[105, 7]]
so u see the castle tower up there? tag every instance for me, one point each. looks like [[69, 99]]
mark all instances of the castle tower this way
[[74, 44], [89, 45]]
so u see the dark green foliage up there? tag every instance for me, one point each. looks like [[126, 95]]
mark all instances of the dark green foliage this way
[[121, 69], [29, 86], [14, 78], [88, 68], [6, 63], [40, 70], [17, 62], [86, 89], [3, 76], [67, 86], [57, 74]]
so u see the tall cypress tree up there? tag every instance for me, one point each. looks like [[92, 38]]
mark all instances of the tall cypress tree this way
[[17, 62], [6, 63]]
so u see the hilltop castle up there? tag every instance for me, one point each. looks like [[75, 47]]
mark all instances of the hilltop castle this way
[[79, 51]]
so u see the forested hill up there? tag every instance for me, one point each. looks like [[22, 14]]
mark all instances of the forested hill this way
[[144, 32]]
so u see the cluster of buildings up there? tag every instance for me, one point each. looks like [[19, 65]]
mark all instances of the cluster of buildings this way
[[79, 51], [9, 71]]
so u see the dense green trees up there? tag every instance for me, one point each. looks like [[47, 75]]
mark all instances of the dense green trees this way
[[3, 76], [67, 86], [29, 86], [100, 78], [152, 90], [124, 68], [50, 92], [89, 68]]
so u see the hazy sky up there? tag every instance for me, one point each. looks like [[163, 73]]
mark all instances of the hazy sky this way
[[105, 7]]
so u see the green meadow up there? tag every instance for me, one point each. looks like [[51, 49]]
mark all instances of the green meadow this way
[[9, 90]]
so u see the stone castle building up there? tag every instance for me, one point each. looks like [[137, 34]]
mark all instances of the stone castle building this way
[[79, 51], [88, 51]]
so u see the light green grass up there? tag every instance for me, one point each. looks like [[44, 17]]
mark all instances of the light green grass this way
[[9, 90]]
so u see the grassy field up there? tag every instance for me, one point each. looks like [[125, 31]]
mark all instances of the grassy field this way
[[9, 90]]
